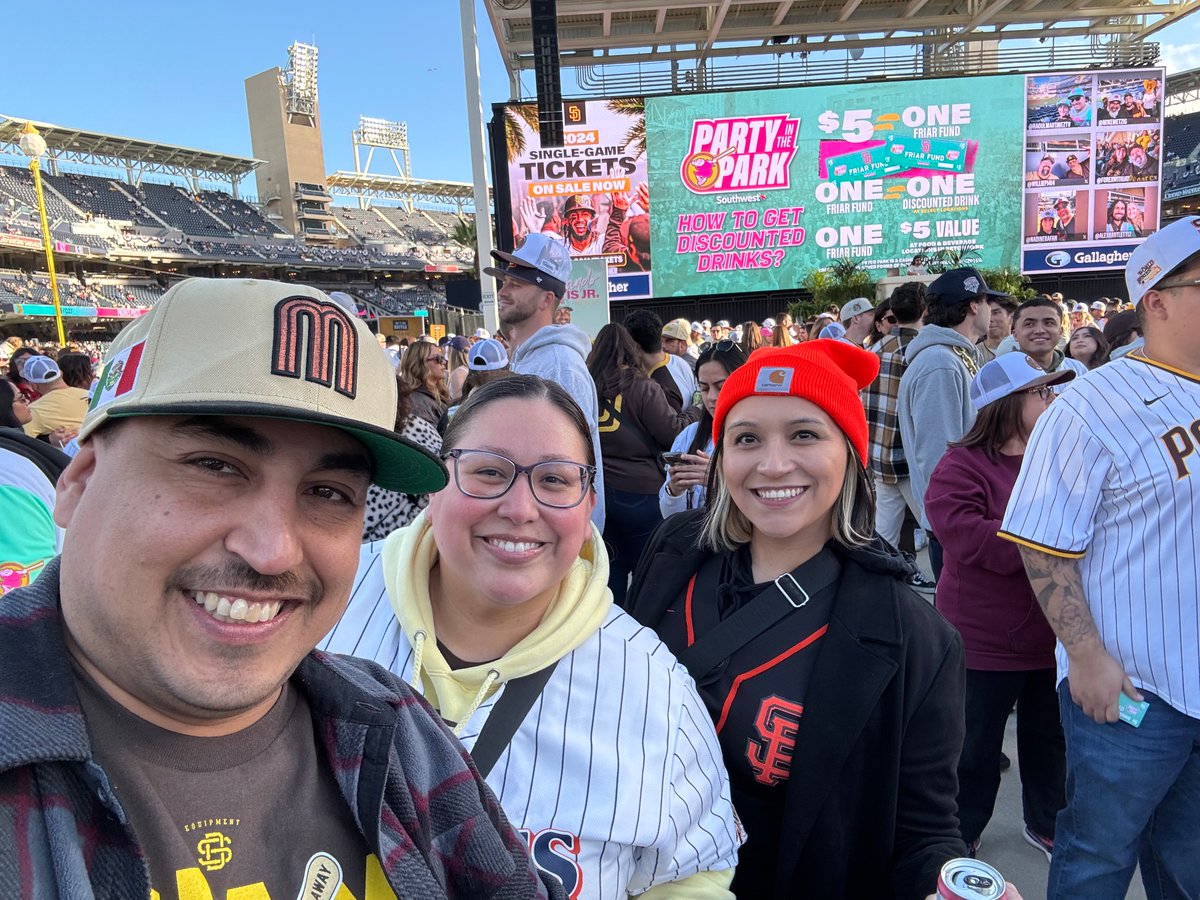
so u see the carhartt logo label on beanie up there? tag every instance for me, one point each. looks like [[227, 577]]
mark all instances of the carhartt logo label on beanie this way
[[774, 381]]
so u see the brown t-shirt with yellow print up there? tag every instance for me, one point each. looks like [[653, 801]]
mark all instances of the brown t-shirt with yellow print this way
[[253, 815]]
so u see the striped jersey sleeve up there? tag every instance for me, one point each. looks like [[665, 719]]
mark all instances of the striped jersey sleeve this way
[[1053, 504]]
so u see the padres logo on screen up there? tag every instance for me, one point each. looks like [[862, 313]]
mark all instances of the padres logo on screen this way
[[770, 757], [320, 334]]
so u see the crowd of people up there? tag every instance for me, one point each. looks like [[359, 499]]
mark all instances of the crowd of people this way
[[532, 614]]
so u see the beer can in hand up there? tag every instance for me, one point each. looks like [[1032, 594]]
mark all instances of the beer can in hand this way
[[970, 879]]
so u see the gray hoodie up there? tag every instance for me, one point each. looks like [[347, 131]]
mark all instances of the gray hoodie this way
[[559, 353], [934, 404]]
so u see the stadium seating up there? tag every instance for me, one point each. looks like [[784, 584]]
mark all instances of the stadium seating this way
[[109, 292], [1181, 168], [237, 214], [178, 210], [17, 184], [102, 198], [401, 299], [166, 220]]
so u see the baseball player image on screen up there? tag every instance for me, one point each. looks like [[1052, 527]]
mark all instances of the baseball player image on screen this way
[[494, 604], [1104, 511]]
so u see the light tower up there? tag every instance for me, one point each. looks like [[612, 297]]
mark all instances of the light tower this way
[[33, 145]]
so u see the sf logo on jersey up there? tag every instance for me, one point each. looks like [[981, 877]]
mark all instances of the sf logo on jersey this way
[[770, 755]]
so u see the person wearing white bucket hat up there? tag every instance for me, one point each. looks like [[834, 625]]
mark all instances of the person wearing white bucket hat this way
[[212, 518], [984, 593], [1104, 513]]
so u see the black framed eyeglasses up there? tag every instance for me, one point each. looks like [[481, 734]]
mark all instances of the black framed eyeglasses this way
[[1045, 392], [890, 319], [558, 483]]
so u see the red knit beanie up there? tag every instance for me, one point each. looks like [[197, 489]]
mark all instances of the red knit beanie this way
[[829, 373]]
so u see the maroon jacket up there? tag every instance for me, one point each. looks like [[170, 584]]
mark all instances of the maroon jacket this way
[[983, 590]]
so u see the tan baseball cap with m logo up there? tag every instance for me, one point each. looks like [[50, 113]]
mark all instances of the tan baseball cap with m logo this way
[[241, 347]]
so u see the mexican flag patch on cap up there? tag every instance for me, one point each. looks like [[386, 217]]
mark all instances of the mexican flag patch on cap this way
[[119, 376]]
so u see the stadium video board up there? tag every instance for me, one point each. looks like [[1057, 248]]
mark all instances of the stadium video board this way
[[1093, 168], [753, 190], [592, 192]]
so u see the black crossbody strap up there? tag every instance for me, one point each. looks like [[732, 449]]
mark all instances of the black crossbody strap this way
[[506, 717], [784, 596]]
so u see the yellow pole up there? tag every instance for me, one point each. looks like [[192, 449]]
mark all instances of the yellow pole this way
[[36, 168]]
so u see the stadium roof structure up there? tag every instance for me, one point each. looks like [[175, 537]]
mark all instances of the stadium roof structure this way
[[597, 34], [94, 147], [397, 187]]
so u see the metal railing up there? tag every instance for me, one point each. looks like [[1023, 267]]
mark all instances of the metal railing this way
[[613, 79]]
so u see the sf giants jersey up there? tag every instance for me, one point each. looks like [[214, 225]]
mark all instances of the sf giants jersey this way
[[615, 776], [1111, 477]]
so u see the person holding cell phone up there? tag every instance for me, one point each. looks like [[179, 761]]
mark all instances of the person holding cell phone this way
[[1104, 512], [687, 462]]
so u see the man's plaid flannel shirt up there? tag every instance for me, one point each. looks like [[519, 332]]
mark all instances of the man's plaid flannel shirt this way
[[879, 400]]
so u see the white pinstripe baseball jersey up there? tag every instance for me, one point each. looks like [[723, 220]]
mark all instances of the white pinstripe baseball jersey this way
[[615, 776], [1111, 477]]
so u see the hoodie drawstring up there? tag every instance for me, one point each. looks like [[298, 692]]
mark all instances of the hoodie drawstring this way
[[418, 653], [491, 678]]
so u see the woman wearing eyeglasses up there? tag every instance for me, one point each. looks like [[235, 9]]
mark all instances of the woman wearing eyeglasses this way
[[985, 593], [424, 369], [498, 592]]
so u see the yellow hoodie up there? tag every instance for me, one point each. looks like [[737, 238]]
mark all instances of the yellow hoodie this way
[[580, 607], [577, 610]]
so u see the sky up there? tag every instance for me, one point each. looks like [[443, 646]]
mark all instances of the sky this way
[[177, 75]]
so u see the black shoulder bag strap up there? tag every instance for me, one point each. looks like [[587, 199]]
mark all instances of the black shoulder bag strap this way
[[784, 596], [506, 717]]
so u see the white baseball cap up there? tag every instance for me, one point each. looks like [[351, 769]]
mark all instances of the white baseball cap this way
[[832, 330], [1079, 307], [724, 323], [1099, 305], [1159, 254], [482, 334], [768, 323], [855, 307], [541, 260], [1008, 374], [40, 370], [487, 356]]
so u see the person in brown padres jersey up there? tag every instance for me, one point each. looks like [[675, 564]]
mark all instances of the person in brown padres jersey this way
[[166, 728], [836, 691]]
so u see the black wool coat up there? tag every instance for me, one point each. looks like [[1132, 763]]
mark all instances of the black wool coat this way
[[870, 808]]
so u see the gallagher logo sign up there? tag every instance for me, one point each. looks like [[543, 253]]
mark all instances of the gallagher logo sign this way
[[740, 154]]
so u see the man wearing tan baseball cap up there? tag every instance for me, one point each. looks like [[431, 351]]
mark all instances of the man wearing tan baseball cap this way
[[170, 727]]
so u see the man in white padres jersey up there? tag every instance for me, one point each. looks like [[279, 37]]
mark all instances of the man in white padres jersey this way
[[1105, 513]]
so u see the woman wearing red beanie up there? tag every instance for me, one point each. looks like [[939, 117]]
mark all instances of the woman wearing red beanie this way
[[837, 692]]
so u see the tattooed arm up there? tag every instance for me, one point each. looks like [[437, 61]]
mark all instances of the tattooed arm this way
[[1094, 677]]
